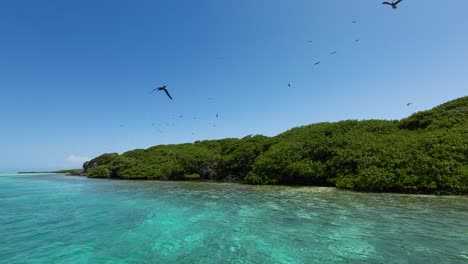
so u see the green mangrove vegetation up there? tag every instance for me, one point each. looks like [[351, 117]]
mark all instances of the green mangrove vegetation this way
[[424, 153]]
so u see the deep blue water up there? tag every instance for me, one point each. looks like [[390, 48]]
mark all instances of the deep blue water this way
[[52, 218]]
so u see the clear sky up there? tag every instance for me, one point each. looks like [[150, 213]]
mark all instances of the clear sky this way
[[76, 76]]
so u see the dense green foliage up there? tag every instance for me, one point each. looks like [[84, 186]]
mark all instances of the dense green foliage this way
[[424, 153]]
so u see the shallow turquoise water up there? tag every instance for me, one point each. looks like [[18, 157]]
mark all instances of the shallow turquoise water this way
[[66, 219]]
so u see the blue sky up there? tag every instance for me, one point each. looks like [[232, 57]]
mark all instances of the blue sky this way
[[75, 76]]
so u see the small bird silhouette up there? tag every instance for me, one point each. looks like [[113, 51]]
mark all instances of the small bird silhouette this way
[[162, 88], [309, 41], [317, 63], [333, 53], [356, 40], [393, 4], [216, 115], [289, 85], [354, 22], [408, 104]]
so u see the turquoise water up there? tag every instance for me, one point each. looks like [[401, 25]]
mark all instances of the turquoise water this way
[[65, 219]]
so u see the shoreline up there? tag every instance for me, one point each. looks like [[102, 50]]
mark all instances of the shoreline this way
[[244, 183]]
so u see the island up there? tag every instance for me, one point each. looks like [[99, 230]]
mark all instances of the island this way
[[426, 152]]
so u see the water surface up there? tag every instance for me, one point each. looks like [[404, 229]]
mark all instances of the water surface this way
[[52, 218]]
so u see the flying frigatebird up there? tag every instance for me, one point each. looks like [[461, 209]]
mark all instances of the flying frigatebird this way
[[393, 4], [162, 88]]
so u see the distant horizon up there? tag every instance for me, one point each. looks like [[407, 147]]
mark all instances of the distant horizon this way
[[80, 167], [33, 170], [77, 77]]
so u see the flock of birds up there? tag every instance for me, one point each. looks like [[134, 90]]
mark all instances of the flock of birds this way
[[392, 4], [164, 88]]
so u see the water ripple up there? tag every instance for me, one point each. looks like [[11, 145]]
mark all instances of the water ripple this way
[[60, 219]]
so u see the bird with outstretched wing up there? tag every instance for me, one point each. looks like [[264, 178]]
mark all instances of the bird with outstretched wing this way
[[163, 88], [393, 4]]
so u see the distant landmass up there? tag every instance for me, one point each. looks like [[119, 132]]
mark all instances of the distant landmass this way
[[426, 152], [73, 172]]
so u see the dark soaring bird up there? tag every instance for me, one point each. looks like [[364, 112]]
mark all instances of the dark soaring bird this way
[[310, 41], [216, 115], [317, 63], [162, 88], [289, 85], [408, 104], [393, 4], [354, 22], [333, 53]]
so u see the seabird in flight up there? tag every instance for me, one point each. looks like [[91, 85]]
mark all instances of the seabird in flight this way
[[393, 4], [162, 88]]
